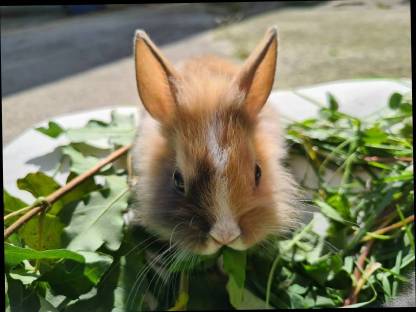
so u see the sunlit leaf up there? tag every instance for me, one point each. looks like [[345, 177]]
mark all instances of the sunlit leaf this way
[[99, 221], [53, 130]]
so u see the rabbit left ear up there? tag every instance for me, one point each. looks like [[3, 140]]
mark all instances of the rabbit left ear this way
[[155, 78], [256, 77]]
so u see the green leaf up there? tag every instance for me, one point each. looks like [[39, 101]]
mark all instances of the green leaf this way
[[203, 283], [379, 165], [386, 285], [309, 300], [74, 278], [318, 271], [6, 289], [46, 306], [378, 236], [324, 302], [81, 191], [96, 265], [40, 184], [235, 266], [26, 278], [340, 202], [374, 135], [55, 300], [313, 269], [53, 130], [99, 221], [333, 104], [397, 265], [341, 280], [348, 264], [14, 255], [330, 212], [112, 292], [395, 100], [296, 301], [12, 203], [297, 289], [119, 131], [51, 233], [130, 265], [401, 177], [406, 108], [21, 298], [181, 302], [79, 162], [251, 302]]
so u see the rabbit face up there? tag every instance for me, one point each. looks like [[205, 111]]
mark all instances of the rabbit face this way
[[208, 164]]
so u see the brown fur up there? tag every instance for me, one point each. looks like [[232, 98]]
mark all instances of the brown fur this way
[[209, 104]]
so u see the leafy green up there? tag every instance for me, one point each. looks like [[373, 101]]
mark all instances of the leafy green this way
[[79, 162], [53, 130], [73, 278], [51, 232], [234, 265], [15, 255], [39, 184], [395, 100], [329, 211], [12, 203], [86, 259], [100, 219], [119, 131]]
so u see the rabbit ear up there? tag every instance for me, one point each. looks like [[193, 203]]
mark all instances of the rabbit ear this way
[[155, 78], [256, 77]]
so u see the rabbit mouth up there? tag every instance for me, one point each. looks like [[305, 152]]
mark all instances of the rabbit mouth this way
[[212, 246]]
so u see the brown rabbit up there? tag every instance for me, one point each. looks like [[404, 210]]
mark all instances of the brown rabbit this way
[[208, 154]]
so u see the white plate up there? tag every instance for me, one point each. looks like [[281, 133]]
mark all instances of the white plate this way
[[33, 151]]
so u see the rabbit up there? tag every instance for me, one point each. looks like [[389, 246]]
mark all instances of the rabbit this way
[[207, 160], [207, 157]]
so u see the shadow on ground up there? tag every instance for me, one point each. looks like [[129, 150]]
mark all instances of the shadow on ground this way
[[51, 49]]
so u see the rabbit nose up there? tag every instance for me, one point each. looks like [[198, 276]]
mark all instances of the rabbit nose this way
[[225, 236]]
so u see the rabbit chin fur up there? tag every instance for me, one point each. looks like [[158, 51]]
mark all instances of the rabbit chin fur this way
[[216, 145]]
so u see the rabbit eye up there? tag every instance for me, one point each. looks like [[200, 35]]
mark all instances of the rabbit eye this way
[[178, 181], [257, 174]]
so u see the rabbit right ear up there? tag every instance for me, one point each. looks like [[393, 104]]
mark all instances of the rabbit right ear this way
[[155, 78], [256, 77]]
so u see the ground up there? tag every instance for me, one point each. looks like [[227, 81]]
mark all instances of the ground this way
[[60, 64]]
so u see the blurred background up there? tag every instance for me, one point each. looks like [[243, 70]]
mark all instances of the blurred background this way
[[66, 58]]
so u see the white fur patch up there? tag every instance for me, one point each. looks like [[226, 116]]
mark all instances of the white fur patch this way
[[219, 155], [225, 228]]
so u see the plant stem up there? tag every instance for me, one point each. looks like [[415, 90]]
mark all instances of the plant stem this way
[[357, 272], [17, 212], [65, 189], [40, 230], [270, 280], [183, 297], [365, 250], [388, 159], [390, 227], [366, 275]]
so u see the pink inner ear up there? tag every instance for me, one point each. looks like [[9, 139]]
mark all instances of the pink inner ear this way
[[256, 77], [155, 77]]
